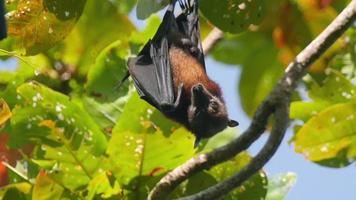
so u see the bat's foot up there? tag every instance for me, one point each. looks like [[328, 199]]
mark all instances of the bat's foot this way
[[188, 44]]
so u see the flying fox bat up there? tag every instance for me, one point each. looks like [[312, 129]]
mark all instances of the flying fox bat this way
[[169, 73], [2, 20]]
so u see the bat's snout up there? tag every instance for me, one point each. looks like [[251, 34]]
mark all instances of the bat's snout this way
[[198, 88]]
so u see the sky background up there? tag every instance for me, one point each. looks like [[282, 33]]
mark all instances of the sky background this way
[[313, 181]]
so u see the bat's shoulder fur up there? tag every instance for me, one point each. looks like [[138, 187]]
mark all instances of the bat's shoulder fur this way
[[188, 70]]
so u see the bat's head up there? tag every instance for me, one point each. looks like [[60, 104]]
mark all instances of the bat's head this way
[[207, 113]]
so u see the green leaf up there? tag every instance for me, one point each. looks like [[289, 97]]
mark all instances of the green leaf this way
[[340, 4], [305, 110], [279, 185], [143, 147], [220, 139], [143, 36], [142, 116], [100, 25], [253, 188], [105, 114], [233, 16], [125, 6], [44, 110], [10, 80], [146, 7], [258, 77], [16, 191], [328, 133], [322, 138], [72, 168], [196, 183], [101, 188], [335, 88], [42, 24], [108, 71], [239, 49], [46, 189], [148, 153]]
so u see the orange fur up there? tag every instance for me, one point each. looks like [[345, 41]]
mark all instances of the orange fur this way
[[187, 70]]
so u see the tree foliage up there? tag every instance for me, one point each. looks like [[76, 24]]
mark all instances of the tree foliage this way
[[67, 132]]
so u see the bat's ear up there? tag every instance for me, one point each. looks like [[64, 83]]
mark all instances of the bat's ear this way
[[232, 123], [196, 142]]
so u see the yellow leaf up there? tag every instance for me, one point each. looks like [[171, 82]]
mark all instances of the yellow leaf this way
[[5, 112]]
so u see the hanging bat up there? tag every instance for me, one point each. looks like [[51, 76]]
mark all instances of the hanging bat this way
[[169, 73], [2, 20]]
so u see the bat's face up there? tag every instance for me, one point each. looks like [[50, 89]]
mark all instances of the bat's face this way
[[207, 113]]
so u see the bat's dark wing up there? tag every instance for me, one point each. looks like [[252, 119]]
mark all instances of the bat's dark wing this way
[[2, 20], [153, 77], [188, 24], [151, 70]]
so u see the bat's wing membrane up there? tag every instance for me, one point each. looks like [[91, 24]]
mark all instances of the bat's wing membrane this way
[[151, 70], [153, 77]]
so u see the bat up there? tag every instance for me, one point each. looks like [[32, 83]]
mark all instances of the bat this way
[[169, 73], [2, 20]]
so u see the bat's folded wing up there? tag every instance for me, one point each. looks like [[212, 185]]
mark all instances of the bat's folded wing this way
[[152, 76], [188, 24]]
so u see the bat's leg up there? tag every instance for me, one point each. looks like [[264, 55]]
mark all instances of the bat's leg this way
[[188, 44], [179, 95]]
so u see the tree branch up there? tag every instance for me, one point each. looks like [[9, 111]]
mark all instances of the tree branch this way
[[212, 39], [277, 102], [274, 140]]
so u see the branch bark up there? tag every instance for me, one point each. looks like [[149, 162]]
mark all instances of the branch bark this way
[[276, 103]]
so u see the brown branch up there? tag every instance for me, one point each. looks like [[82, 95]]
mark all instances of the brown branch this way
[[212, 39], [277, 102]]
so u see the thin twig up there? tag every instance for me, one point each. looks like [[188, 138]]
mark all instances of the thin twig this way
[[274, 103]]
